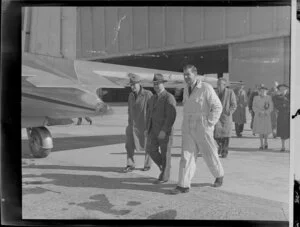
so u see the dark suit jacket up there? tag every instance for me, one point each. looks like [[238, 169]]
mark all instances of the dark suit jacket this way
[[161, 114]]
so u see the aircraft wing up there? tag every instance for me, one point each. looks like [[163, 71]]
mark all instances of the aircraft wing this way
[[91, 75], [117, 74], [45, 71]]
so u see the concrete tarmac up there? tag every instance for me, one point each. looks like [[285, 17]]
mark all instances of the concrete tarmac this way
[[82, 178]]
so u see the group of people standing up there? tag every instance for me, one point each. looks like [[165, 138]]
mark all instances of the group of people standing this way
[[206, 125], [270, 111]]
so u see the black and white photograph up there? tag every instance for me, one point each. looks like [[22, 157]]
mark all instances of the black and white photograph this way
[[158, 112]]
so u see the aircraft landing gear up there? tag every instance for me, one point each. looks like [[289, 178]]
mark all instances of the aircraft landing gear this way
[[40, 141]]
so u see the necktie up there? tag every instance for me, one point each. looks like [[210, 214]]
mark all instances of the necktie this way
[[155, 99], [190, 90]]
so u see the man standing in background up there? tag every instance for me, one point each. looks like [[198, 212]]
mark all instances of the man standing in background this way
[[223, 127], [161, 115], [273, 92], [137, 107], [239, 116], [250, 104]]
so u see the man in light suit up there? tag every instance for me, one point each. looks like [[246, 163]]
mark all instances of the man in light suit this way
[[161, 115], [201, 111]]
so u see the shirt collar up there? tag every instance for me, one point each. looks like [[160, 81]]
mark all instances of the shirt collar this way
[[161, 93], [198, 83]]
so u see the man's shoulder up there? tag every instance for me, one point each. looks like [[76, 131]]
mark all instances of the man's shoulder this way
[[131, 95], [169, 96], [206, 85], [147, 92]]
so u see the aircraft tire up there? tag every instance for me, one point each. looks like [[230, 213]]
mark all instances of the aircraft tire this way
[[36, 142]]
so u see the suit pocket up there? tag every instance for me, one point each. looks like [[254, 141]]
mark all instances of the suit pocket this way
[[205, 123]]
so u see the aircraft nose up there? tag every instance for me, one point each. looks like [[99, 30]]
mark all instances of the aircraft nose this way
[[102, 108]]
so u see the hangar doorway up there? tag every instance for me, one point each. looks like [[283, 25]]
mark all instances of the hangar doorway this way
[[213, 60]]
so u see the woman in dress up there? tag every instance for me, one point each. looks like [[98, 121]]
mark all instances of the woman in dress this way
[[282, 104], [262, 107]]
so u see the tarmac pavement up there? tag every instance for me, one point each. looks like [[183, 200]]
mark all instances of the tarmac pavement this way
[[82, 178]]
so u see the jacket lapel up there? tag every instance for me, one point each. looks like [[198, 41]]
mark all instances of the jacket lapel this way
[[139, 96], [159, 98]]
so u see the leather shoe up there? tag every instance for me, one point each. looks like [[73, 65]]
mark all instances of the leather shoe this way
[[146, 168], [218, 182], [179, 190], [224, 155], [128, 169], [158, 181]]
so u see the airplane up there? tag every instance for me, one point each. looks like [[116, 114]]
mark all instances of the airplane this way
[[56, 89]]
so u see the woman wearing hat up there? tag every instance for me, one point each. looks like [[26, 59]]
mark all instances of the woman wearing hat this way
[[282, 104], [262, 107]]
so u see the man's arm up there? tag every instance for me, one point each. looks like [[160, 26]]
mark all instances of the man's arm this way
[[245, 99], [148, 106], [170, 113], [215, 106], [129, 111], [147, 99]]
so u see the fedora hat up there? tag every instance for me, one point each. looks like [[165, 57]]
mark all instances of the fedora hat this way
[[158, 78], [133, 78], [282, 85], [262, 87]]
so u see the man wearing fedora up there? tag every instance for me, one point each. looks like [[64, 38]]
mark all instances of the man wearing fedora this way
[[137, 107], [161, 115], [201, 111], [239, 115]]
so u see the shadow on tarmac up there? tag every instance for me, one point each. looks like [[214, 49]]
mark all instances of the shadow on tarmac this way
[[246, 149], [130, 181], [78, 142], [142, 153], [91, 181], [244, 137], [78, 168]]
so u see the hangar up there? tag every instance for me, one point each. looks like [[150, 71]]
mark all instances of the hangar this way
[[247, 43]]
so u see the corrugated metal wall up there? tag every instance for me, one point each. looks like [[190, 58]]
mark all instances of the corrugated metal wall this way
[[263, 61], [50, 31], [104, 32]]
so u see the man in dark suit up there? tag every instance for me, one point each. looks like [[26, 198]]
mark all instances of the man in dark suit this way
[[161, 115]]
